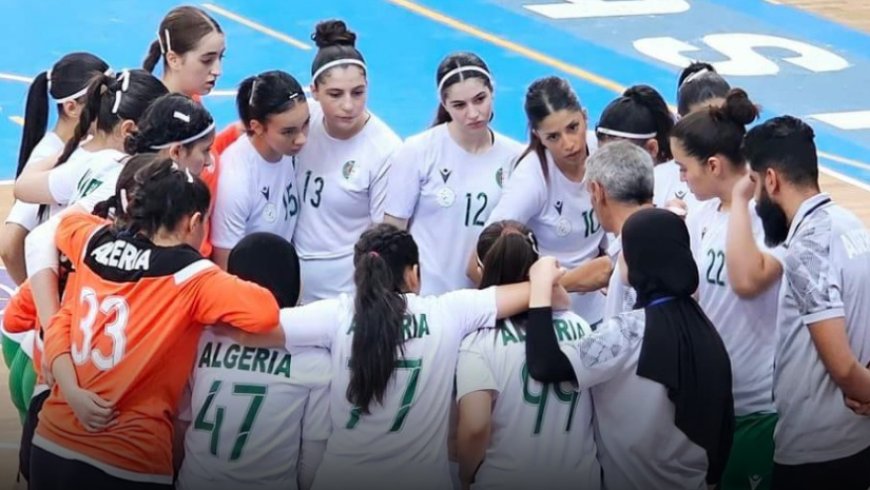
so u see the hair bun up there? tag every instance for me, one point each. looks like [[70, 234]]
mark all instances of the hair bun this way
[[739, 108], [333, 33]]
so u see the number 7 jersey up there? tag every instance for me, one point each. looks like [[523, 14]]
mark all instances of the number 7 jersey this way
[[131, 327]]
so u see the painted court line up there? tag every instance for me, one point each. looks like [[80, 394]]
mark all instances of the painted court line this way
[[15, 78], [579, 72], [256, 26]]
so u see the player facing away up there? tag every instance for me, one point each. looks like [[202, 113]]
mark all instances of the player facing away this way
[[660, 375], [393, 359], [249, 419], [823, 341], [515, 432], [342, 170], [139, 299], [446, 180]]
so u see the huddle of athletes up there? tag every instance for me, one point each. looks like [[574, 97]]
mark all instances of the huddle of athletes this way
[[598, 309]]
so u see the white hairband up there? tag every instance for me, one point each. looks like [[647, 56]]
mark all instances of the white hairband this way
[[459, 70], [333, 64], [168, 48], [624, 134], [125, 84], [694, 76], [181, 116], [185, 141], [75, 95]]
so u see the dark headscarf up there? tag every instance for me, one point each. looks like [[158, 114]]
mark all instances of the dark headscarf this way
[[681, 349], [271, 262]]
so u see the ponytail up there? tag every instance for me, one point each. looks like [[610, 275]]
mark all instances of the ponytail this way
[[153, 56], [638, 115], [35, 119], [89, 115], [507, 250], [381, 257]]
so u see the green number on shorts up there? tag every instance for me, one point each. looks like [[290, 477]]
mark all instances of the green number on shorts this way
[[257, 394], [715, 257], [415, 365], [476, 221], [540, 399], [318, 181], [592, 225]]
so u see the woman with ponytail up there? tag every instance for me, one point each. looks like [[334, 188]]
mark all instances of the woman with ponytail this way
[[515, 432], [547, 193], [641, 115], [445, 181], [738, 290], [342, 170], [66, 84], [393, 357]]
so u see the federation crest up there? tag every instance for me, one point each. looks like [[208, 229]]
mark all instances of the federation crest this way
[[270, 213], [499, 177], [563, 227], [349, 169], [445, 197]]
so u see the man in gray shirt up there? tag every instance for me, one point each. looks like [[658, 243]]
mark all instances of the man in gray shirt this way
[[823, 346]]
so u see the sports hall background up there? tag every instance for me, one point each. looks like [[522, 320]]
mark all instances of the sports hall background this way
[[809, 58]]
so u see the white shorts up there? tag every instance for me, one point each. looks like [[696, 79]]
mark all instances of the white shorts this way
[[326, 278]]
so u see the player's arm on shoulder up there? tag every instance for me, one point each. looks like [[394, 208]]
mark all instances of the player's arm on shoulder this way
[[589, 276], [33, 185], [524, 194], [832, 343], [222, 298]]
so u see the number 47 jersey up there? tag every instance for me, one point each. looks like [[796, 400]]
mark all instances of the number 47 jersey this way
[[249, 410]]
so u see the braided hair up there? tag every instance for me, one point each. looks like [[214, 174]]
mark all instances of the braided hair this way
[[380, 257]]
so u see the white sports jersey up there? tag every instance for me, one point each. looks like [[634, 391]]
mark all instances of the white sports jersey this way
[[747, 326], [27, 214], [246, 414], [76, 177], [668, 186], [827, 266], [639, 447], [342, 186], [447, 194], [542, 433], [620, 296], [253, 195], [560, 214], [402, 443]]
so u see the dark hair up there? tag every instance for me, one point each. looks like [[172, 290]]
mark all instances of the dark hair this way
[[447, 65], [270, 261], [132, 91], [380, 257], [698, 83], [640, 110], [785, 144], [507, 250], [171, 118], [180, 31], [271, 92], [717, 130], [69, 76], [334, 42], [115, 207], [164, 195], [544, 97]]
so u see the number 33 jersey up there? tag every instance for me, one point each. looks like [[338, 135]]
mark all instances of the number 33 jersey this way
[[131, 322]]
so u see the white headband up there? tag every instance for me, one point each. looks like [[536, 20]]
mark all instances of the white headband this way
[[694, 76], [168, 47], [125, 84], [185, 141], [459, 70], [333, 64], [75, 95], [623, 134]]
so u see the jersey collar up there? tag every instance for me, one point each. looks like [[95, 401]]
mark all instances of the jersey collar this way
[[806, 208]]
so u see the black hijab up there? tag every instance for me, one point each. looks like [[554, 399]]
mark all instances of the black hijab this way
[[681, 349], [269, 261]]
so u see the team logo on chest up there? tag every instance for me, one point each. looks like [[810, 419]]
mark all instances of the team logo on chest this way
[[445, 195], [563, 226], [270, 212], [349, 169]]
